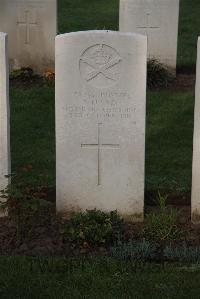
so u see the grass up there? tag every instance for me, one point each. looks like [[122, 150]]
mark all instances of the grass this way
[[189, 25], [59, 278], [169, 141], [33, 134], [76, 15]]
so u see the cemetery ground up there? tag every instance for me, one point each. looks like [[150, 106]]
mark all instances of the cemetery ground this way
[[162, 266]]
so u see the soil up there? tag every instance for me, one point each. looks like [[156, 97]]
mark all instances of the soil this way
[[176, 199], [45, 237], [182, 83], [36, 81]]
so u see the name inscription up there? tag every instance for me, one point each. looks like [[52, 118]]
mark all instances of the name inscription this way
[[101, 106]]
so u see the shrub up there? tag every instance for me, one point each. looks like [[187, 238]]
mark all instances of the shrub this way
[[25, 205], [161, 225], [157, 75], [24, 74], [49, 78], [134, 251], [183, 254], [93, 228]]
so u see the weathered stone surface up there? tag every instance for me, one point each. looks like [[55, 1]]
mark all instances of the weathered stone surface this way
[[4, 114], [158, 19], [196, 148], [31, 26], [100, 122]]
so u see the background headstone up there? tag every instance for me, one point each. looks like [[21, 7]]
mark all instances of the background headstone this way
[[100, 122], [196, 148], [31, 26], [158, 19], [4, 113]]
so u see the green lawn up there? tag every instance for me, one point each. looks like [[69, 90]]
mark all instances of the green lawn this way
[[76, 15], [169, 141], [33, 134], [94, 279], [189, 30]]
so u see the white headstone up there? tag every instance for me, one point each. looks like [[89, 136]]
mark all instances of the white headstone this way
[[31, 26], [100, 122], [196, 148], [158, 19], [4, 114]]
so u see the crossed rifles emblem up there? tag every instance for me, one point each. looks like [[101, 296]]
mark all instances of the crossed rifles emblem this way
[[103, 68]]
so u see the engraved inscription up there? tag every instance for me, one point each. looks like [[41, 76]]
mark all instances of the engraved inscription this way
[[99, 65], [27, 23], [99, 146], [106, 113], [102, 106], [39, 3]]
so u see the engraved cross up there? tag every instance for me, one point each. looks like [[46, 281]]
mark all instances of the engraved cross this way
[[148, 25], [99, 146], [27, 23]]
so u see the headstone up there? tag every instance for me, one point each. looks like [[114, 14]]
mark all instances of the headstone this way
[[31, 26], [196, 148], [158, 19], [100, 122], [4, 114]]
